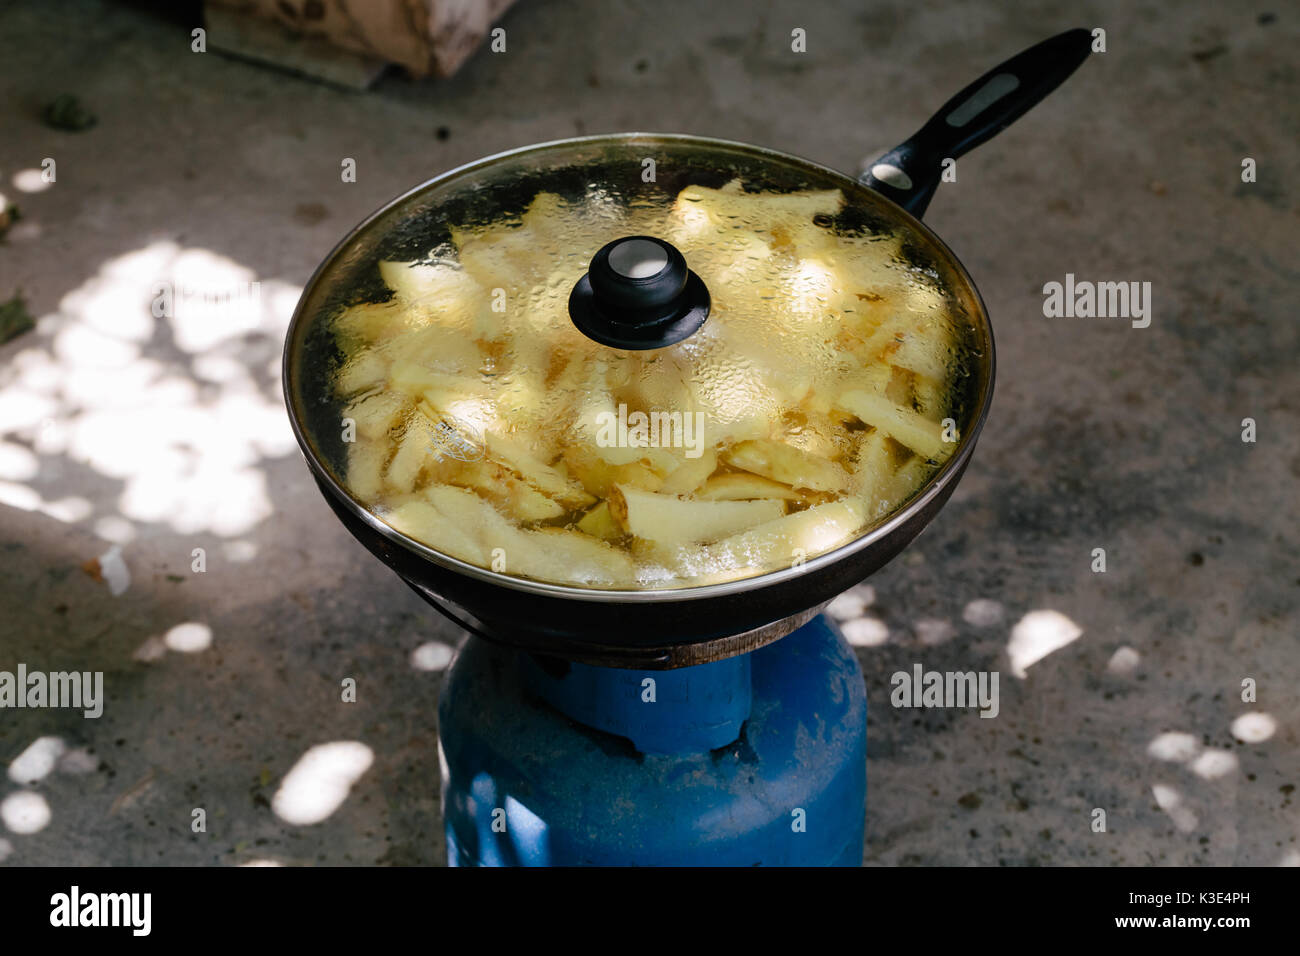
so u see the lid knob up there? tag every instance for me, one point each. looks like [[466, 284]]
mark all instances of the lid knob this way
[[638, 294]]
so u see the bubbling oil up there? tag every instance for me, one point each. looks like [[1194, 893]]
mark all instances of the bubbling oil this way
[[487, 427]]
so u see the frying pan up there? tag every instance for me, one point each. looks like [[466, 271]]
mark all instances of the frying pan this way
[[652, 629]]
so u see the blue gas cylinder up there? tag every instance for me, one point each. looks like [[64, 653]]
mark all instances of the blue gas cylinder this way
[[754, 760]]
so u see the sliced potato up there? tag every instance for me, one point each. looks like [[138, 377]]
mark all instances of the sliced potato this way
[[503, 257], [585, 560], [667, 519], [517, 498], [690, 474], [742, 486], [873, 469], [478, 520], [902, 424], [373, 323], [412, 454], [543, 477], [449, 295], [541, 554], [788, 465], [599, 523], [923, 350], [782, 541], [732, 205], [365, 474], [931, 397], [363, 371], [595, 474], [638, 474], [905, 483], [376, 414], [422, 521], [661, 381]]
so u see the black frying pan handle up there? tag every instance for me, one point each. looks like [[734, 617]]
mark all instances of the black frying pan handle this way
[[909, 173]]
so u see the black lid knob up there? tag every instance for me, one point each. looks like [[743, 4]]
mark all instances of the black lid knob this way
[[639, 294]]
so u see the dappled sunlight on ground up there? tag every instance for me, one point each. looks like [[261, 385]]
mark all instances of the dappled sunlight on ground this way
[[852, 603], [865, 631], [149, 404], [188, 638], [160, 373], [1254, 728], [1035, 636], [25, 812], [30, 181], [1170, 800], [432, 656], [849, 611], [37, 761], [1123, 662], [1210, 763], [320, 781], [931, 631], [1038, 634], [1174, 747], [1213, 764], [983, 612]]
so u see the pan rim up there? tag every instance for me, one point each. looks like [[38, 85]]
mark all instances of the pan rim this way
[[934, 485]]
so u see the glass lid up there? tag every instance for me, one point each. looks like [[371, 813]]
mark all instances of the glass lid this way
[[636, 362]]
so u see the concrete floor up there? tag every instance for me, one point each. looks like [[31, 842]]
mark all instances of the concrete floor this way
[[166, 436]]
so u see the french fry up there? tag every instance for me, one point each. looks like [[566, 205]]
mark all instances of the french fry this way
[[477, 520], [527, 504], [660, 382], [423, 522], [363, 371], [732, 205], [503, 257], [517, 498], [365, 474], [931, 397], [902, 424], [412, 455], [444, 292], [580, 558], [669, 520], [638, 474], [376, 414], [742, 486], [593, 472], [582, 225], [788, 465], [735, 408], [371, 324], [873, 469], [544, 554], [782, 541], [690, 474], [905, 483], [921, 350], [819, 435], [536, 472], [599, 523], [435, 358]]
